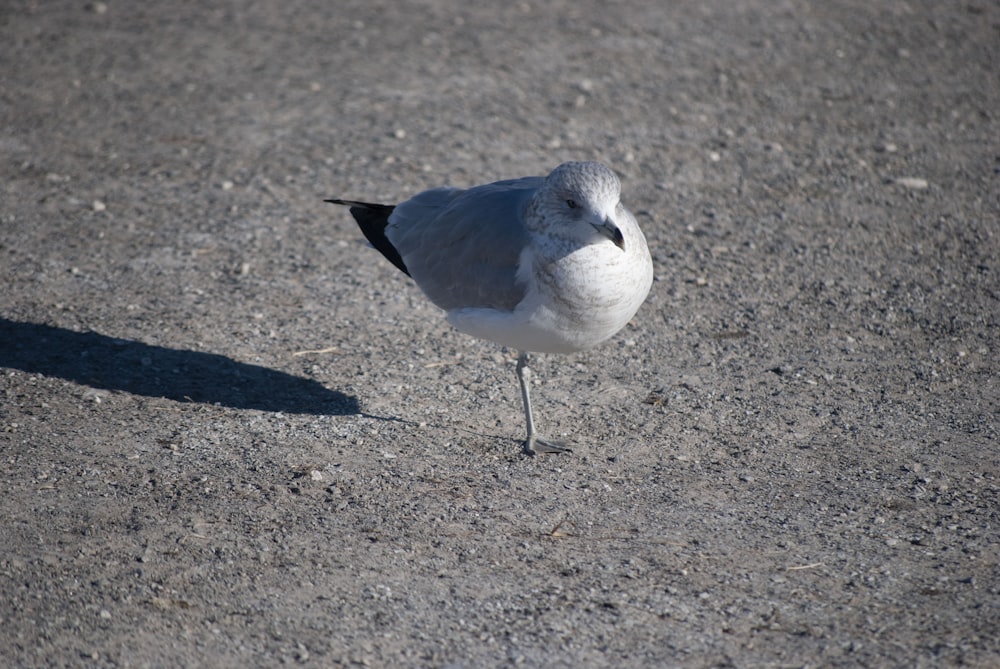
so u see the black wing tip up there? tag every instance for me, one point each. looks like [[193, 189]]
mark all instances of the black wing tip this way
[[361, 205], [372, 219]]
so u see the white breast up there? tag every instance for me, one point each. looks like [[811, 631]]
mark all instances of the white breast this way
[[574, 302]]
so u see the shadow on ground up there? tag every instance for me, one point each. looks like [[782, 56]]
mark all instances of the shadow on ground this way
[[110, 363]]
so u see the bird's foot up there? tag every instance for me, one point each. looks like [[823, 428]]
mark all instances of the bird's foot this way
[[535, 444]]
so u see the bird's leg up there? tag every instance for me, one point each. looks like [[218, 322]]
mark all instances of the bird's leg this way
[[534, 443]]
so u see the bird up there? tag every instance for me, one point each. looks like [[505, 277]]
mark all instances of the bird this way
[[540, 264]]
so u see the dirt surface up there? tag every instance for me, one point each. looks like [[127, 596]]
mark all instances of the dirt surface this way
[[232, 435]]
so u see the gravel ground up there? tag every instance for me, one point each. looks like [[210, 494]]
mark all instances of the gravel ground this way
[[233, 435]]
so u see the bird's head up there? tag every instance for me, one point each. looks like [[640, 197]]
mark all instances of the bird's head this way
[[580, 201]]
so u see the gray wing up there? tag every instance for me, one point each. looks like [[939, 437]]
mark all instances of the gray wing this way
[[462, 247]]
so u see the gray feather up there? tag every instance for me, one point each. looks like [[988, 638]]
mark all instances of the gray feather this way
[[432, 233]]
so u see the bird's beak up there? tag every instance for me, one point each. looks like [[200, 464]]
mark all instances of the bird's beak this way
[[608, 228]]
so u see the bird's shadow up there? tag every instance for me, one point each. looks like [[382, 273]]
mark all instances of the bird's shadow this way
[[109, 363]]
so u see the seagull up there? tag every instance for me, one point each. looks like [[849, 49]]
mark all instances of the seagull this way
[[552, 264]]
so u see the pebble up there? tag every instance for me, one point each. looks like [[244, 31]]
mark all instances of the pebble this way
[[913, 183]]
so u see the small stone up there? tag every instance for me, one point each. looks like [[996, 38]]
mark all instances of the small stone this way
[[913, 183], [98, 206]]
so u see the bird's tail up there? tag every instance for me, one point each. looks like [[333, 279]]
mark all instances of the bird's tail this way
[[372, 219]]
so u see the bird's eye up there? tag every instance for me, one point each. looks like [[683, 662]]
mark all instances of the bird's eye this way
[[571, 204]]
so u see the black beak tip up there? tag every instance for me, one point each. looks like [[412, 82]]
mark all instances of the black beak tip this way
[[618, 239]]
